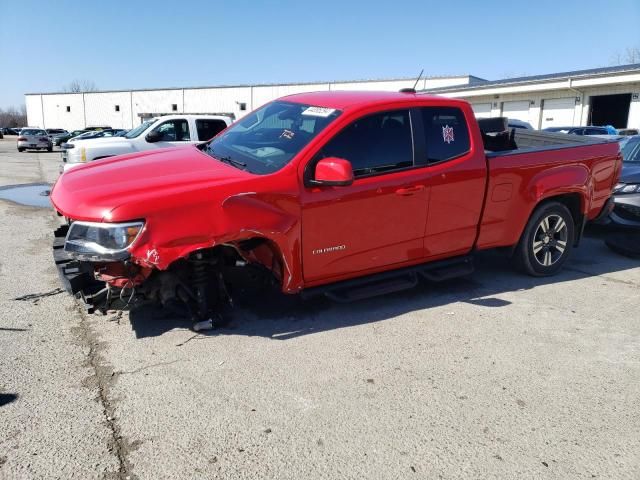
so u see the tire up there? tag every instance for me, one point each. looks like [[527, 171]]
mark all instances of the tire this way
[[546, 242], [49, 149], [20, 149]]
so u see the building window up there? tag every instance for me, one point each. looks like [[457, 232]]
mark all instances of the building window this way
[[117, 108], [68, 108], [243, 106], [174, 107]]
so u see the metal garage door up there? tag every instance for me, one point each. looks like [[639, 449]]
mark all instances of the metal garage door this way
[[517, 110], [558, 112], [482, 110]]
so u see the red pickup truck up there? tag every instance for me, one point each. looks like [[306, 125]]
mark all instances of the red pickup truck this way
[[347, 194]]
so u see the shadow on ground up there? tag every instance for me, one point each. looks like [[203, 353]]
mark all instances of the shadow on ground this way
[[280, 317], [6, 398]]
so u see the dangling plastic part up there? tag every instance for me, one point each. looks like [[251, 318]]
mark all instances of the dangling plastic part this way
[[203, 325]]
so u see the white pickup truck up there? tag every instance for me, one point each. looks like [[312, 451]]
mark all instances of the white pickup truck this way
[[160, 132]]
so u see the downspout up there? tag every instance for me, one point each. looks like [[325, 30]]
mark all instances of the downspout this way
[[42, 110], [84, 111], [581, 100]]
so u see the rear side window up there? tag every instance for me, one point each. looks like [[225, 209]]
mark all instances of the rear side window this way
[[446, 133], [376, 143], [207, 129]]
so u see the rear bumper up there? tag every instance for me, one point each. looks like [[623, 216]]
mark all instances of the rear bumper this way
[[77, 277]]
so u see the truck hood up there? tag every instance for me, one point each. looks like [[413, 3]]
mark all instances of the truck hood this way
[[131, 186]]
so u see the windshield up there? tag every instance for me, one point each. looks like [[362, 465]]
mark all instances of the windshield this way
[[630, 148], [267, 139], [139, 129]]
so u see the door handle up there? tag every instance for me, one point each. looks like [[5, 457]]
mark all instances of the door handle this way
[[409, 190]]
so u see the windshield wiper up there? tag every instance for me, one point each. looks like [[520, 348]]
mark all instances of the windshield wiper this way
[[227, 159], [231, 161]]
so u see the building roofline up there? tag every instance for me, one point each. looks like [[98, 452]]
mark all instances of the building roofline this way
[[546, 78], [288, 84]]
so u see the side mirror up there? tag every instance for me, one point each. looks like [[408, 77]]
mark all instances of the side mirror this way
[[333, 172], [153, 137]]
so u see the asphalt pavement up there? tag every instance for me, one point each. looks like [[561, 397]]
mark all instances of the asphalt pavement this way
[[497, 375]]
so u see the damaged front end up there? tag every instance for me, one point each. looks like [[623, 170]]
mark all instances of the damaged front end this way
[[94, 273], [196, 286]]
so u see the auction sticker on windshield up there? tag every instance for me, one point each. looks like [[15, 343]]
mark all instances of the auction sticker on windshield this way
[[318, 111]]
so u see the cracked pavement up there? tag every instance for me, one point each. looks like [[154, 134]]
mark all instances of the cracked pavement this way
[[496, 375]]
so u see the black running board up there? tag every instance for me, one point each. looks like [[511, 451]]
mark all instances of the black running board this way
[[392, 281]]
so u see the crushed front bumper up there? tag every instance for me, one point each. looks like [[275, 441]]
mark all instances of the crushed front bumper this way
[[76, 276]]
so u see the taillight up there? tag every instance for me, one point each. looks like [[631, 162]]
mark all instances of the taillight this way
[[22, 139]]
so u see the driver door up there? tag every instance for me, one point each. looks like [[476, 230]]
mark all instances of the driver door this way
[[377, 221]]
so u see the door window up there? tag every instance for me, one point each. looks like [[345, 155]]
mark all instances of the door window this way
[[376, 143], [446, 133], [174, 131], [207, 129]]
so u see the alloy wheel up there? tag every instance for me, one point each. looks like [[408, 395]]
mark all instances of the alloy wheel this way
[[550, 240]]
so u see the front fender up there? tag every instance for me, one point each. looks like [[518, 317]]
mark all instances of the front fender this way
[[170, 235]]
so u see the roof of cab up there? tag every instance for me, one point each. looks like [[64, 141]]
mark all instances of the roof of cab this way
[[349, 99]]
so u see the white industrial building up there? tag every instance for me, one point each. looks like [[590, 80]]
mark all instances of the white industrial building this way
[[601, 96], [127, 108]]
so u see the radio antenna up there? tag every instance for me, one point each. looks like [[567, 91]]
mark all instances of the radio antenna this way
[[418, 79]]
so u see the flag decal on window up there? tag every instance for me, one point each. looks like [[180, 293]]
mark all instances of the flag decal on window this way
[[447, 134]]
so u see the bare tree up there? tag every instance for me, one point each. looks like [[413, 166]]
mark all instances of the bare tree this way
[[13, 117], [630, 55], [80, 86]]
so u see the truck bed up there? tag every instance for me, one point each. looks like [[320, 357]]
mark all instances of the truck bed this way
[[499, 140]]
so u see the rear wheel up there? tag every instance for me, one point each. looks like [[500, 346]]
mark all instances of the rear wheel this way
[[547, 240]]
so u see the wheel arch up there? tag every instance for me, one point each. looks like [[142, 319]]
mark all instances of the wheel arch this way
[[574, 201]]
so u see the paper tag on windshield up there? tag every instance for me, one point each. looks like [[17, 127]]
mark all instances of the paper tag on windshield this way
[[318, 111]]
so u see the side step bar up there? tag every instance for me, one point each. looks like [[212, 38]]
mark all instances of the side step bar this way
[[392, 281]]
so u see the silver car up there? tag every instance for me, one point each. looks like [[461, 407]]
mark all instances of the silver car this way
[[34, 138]]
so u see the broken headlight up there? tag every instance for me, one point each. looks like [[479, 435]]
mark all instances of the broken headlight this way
[[101, 239]]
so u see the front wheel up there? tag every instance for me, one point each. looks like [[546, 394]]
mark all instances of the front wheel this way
[[20, 149], [547, 240]]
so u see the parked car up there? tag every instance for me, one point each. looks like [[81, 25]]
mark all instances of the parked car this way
[[579, 130], [628, 131], [52, 132], [97, 129], [11, 131], [65, 137], [97, 134], [626, 193], [347, 194], [162, 132], [34, 139], [514, 123]]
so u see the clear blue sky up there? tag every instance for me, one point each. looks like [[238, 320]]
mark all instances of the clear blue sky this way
[[120, 44]]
